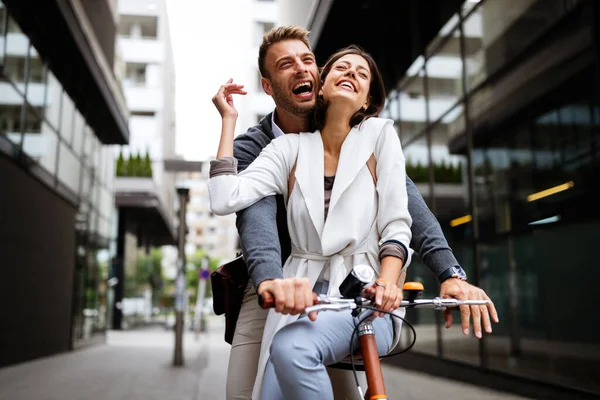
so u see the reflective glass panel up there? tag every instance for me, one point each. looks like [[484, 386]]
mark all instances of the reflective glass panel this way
[[43, 147], [15, 57], [11, 103], [499, 29], [78, 131], [444, 77], [67, 118], [69, 168], [52, 101], [36, 84], [413, 112], [2, 31]]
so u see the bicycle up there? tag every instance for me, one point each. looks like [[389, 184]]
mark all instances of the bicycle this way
[[351, 290]]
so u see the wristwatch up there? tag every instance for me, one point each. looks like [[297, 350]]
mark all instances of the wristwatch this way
[[453, 272]]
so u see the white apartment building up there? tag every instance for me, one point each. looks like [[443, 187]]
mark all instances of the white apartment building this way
[[144, 45], [264, 18]]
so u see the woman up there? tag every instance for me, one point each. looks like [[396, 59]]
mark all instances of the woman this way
[[340, 213]]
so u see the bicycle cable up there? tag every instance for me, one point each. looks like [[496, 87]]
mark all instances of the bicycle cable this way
[[355, 333]]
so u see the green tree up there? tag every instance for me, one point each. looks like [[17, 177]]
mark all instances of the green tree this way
[[120, 164], [139, 165], [147, 165], [129, 166]]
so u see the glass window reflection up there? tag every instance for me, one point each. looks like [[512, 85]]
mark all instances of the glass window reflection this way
[[69, 168], [3, 16], [413, 109], [66, 118], [36, 84], [78, 131], [496, 32], [42, 147], [11, 104], [53, 101], [15, 56]]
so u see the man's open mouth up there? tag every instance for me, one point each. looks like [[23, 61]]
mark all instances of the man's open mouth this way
[[303, 88]]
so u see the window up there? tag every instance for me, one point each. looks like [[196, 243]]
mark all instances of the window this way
[[2, 21], [143, 113], [138, 26], [261, 29], [135, 74]]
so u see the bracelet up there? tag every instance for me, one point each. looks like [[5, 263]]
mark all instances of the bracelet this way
[[381, 282]]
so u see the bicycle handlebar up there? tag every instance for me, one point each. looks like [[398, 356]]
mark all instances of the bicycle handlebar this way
[[269, 302], [324, 302]]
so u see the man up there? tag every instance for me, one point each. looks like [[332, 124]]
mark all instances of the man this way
[[290, 76]]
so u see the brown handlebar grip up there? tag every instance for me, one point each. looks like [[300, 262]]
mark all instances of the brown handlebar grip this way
[[267, 300]]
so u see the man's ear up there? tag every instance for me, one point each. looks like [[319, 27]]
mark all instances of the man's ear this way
[[266, 85]]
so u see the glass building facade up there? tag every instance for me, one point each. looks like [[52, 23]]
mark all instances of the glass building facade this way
[[499, 119], [42, 128]]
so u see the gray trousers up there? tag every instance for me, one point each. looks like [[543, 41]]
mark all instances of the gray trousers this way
[[301, 351], [245, 351]]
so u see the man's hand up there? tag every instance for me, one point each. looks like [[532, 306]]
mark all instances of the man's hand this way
[[461, 290], [291, 295]]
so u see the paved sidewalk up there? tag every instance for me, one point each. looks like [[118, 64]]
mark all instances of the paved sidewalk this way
[[137, 365]]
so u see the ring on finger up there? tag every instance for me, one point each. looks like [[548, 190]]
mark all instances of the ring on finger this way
[[381, 282]]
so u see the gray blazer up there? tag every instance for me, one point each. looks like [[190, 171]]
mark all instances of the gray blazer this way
[[263, 228]]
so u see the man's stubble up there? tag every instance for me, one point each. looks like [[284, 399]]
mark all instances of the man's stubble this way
[[283, 100]]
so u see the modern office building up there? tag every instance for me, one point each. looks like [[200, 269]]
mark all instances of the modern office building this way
[[145, 193], [60, 106], [497, 104]]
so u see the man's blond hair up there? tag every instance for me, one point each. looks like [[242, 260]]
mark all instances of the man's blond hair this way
[[288, 32]]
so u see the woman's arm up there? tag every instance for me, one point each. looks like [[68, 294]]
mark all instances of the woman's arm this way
[[393, 219], [267, 175], [223, 100]]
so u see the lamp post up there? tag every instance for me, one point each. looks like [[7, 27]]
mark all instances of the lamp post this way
[[183, 194]]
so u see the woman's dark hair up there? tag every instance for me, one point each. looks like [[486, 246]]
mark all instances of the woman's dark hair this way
[[376, 89]]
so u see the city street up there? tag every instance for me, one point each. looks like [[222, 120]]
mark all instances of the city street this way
[[136, 365]]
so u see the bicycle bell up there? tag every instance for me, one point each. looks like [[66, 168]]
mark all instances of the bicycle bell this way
[[359, 277]]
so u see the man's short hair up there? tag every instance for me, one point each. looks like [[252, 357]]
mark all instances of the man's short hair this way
[[288, 32]]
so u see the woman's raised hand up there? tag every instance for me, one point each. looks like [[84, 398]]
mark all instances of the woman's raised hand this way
[[223, 100]]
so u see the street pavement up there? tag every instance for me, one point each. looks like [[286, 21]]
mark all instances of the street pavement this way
[[137, 364]]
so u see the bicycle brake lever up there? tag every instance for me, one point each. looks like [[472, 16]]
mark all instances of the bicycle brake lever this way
[[330, 306]]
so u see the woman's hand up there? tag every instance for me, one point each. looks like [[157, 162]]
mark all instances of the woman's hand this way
[[223, 100], [387, 296]]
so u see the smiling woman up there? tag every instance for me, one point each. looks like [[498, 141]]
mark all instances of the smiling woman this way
[[352, 65]]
